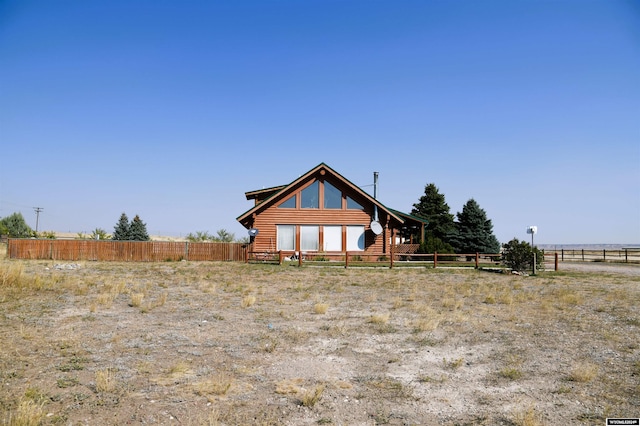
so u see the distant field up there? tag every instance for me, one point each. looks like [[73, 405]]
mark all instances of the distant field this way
[[230, 343]]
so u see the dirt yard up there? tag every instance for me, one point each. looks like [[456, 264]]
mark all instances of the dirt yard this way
[[231, 344]]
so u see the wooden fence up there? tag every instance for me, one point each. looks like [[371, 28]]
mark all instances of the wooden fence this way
[[123, 251]]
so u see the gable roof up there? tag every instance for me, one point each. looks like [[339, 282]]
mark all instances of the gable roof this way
[[323, 169]]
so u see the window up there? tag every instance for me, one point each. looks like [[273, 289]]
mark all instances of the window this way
[[309, 237], [309, 197], [332, 238], [289, 203], [332, 197], [286, 237], [353, 204], [355, 237]]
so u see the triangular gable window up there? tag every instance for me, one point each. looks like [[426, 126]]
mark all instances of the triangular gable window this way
[[289, 203], [353, 204]]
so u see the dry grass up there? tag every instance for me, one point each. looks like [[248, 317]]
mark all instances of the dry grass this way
[[73, 348], [248, 301], [105, 380], [321, 308], [28, 413], [528, 417], [379, 319], [583, 372], [311, 397]]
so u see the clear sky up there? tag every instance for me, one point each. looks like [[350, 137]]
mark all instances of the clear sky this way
[[174, 109]]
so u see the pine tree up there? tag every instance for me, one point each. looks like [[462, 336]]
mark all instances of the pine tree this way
[[440, 226], [138, 230], [121, 230], [473, 231]]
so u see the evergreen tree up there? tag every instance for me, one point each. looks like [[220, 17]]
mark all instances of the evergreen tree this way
[[473, 231], [138, 230], [121, 230], [440, 226], [15, 226]]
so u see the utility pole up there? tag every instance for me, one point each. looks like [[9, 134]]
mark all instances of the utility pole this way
[[37, 210]]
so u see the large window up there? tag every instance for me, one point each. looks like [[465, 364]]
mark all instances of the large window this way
[[332, 238], [355, 237], [332, 197], [309, 198], [286, 237], [309, 237]]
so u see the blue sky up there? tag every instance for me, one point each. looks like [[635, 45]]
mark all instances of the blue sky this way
[[174, 109]]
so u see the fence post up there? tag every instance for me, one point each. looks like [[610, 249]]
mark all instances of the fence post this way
[[300, 259], [556, 262], [280, 257], [435, 259], [562, 255], [477, 258], [534, 263], [626, 259], [346, 259], [583, 255], [604, 255]]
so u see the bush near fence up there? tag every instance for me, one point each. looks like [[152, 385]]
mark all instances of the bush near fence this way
[[123, 251]]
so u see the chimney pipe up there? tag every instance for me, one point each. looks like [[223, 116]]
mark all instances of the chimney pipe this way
[[375, 194]]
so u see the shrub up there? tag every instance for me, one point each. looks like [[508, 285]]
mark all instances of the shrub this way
[[518, 255]]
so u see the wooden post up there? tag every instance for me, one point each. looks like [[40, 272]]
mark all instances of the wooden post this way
[[562, 255], [391, 258], [604, 255], [280, 257], [300, 259], [435, 259], [346, 259], [556, 261], [583, 255], [477, 259], [626, 259], [534, 263]]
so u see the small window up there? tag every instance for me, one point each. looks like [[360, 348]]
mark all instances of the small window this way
[[353, 204], [309, 197], [289, 203], [332, 197]]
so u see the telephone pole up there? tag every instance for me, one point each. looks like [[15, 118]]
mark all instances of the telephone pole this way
[[37, 210]]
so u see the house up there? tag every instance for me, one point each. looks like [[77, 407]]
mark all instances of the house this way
[[322, 211]]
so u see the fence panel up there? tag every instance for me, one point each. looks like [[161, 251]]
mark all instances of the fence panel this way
[[123, 251]]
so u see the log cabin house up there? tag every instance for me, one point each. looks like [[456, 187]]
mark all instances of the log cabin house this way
[[323, 212]]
